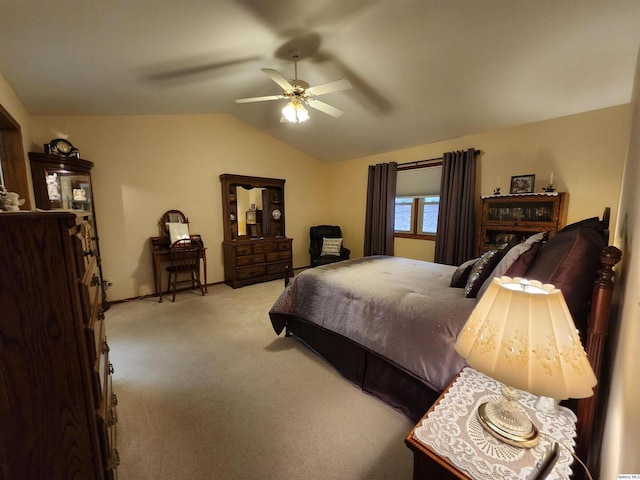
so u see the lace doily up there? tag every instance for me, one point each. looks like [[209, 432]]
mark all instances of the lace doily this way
[[453, 431]]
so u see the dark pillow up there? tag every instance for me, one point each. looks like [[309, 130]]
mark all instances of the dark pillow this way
[[512, 255], [481, 271], [460, 276], [520, 265], [570, 260], [593, 222]]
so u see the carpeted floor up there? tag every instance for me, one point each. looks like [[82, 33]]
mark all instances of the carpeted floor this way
[[207, 391]]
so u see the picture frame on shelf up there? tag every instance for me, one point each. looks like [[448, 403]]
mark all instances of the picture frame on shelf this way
[[522, 183]]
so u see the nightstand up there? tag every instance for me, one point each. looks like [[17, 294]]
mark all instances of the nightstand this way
[[450, 443]]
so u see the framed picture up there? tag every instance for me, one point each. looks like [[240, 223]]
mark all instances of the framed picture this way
[[522, 183]]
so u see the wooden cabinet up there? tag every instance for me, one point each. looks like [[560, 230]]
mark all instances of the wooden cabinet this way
[[255, 245], [254, 261], [507, 217], [56, 403], [64, 183]]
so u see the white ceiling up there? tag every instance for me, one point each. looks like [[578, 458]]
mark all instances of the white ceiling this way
[[421, 70]]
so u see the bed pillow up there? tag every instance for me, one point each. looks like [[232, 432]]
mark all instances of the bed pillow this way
[[331, 246], [520, 266], [461, 275], [570, 260], [511, 256], [480, 271], [514, 254]]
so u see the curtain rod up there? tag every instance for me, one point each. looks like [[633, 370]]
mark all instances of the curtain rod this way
[[429, 160], [418, 162]]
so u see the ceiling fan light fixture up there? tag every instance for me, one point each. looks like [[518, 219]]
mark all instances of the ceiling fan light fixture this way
[[294, 112]]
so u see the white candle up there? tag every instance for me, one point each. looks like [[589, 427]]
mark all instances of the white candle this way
[[498, 184], [551, 180]]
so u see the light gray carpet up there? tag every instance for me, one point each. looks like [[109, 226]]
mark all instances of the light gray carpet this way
[[207, 391]]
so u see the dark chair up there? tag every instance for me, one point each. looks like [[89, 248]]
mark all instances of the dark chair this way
[[184, 258], [316, 236]]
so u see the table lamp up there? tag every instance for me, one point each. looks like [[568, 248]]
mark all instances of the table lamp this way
[[521, 333]]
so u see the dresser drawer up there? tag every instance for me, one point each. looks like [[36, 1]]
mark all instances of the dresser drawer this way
[[277, 268], [264, 247], [277, 256], [101, 373], [284, 246], [95, 337], [243, 250], [86, 235], [249, 260], [249, 273], [90, 287], [107, 426], [111, 423]]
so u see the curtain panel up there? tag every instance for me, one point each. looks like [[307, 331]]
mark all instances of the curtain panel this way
[[381, 200], [456, 220]]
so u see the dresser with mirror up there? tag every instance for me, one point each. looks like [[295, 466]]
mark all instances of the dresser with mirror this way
[[256, 248]]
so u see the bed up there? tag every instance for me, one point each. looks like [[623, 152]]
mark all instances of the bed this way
[[388, 324]]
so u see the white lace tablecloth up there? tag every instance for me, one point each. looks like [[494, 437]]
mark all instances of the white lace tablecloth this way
[[453, 431]]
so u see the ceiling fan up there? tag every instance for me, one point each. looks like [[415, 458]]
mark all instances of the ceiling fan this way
[[299, 94]]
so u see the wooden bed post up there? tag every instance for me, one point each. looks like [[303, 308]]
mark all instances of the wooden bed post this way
[[597, 331], [287, 274]]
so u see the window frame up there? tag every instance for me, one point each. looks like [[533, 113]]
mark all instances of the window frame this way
[[416, 211], [415, 222]]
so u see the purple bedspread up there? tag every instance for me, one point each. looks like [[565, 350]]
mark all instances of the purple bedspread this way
[[402, 309]]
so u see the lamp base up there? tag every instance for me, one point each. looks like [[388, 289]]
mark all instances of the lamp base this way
[[505, 420]]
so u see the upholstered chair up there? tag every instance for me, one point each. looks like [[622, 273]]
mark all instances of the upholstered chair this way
[[326, 245]]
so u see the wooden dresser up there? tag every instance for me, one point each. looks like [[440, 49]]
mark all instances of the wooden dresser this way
[[57, 409], [256, 248], [253, 261]]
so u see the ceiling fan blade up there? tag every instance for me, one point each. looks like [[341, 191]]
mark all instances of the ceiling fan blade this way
[[279, 79], [324, 107], [334, 86], [260, 99]]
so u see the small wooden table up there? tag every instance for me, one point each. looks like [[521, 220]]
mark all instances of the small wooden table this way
[[449, 442], [160, 255]]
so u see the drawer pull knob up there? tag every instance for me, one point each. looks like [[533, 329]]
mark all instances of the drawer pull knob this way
[[114, 399], [111, 369], [113, 417], [105, 347], [101, 315]]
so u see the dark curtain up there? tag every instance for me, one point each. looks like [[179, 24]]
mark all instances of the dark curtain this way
[[456, 222], [381, 201]]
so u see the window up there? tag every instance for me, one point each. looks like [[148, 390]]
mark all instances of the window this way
[[404, 215], [428, 214], [416, 215], [418, 202]]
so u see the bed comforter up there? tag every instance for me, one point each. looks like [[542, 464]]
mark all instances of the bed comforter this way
[[403, 310]]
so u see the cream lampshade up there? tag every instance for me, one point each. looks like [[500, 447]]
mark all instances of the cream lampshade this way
[[521, 333]]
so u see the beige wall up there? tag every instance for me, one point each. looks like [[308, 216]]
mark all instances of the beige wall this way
[[620, 443], [585, 152], [145, 165]]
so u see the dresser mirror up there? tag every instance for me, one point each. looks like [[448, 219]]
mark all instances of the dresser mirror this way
[[253, 207]]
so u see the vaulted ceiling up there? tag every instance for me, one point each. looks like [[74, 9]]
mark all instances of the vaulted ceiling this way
[[421, 70]]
